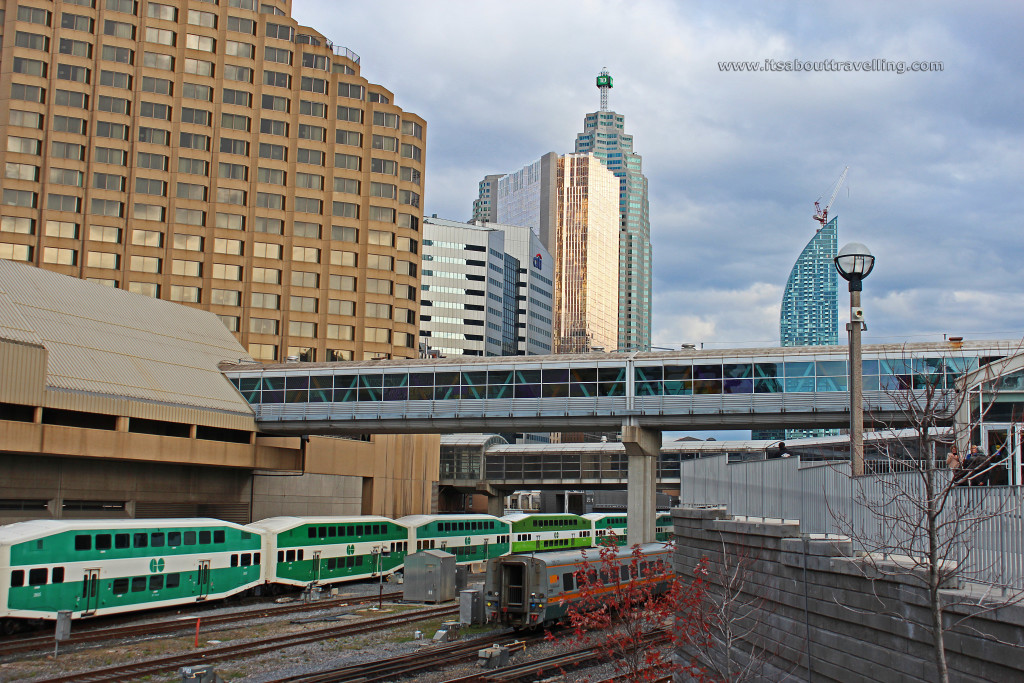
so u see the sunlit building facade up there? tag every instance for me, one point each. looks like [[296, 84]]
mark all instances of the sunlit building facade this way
[[218, 155], [809, 314]]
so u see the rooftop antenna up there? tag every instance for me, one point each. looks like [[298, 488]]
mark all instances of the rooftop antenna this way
[[821, 214], [604, 84]]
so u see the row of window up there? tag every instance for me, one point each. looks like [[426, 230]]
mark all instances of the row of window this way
[[480, 525], [138, 584], [609, 575], [156, 539]]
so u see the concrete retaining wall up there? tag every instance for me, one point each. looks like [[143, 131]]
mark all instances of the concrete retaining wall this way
[[822, 615]]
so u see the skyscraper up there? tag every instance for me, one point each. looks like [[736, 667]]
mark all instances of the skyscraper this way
[[484, 208], [809, 315], [604, 136], [571, 202], [487, 290], [182, 150]]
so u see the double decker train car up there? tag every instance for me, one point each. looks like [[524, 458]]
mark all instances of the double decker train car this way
[[607, 525], [317, 550], [534, 590], [535, 532], [471, 538], [94, 567], [663, 527]]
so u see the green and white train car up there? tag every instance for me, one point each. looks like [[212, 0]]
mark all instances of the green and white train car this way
[[317, 550], [471, 538], [608, 525], [663, 527], [94, 567], [533, 532]]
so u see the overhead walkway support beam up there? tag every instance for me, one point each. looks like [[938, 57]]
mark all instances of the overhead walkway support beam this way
[[643, 447]]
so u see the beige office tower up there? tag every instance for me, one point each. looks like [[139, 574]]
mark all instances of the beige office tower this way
[[218, 155], [586, 255]]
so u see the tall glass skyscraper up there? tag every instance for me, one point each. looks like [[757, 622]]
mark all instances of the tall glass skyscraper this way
[[604, 136], [810, 305]]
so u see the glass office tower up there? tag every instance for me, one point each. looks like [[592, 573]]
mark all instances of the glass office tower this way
[[810, 306]]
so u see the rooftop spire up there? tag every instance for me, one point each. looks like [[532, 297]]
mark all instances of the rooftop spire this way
[[604, 84]]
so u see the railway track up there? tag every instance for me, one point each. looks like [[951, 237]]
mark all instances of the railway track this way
[[118, 674], [180, 624]]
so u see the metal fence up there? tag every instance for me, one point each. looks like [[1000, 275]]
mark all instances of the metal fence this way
[[983, 526]]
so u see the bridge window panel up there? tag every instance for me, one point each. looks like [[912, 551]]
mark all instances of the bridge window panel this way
[[250, 388], [320, 388], [831, 368], [527, 390], [474, 379], [555, 390], [707, 386], [798, 369], [369, 393], [499, 390], [421, 379], [611, 374], [396, 393], [798, 384], [767, 385], [527, 376], [421, 393], [501, 377], [707, 371], [677, 387], [895, 366], [474, 391], [832, 384], [735, 385], [293, 382], [396, 380], [583, 374], [611, 388], [296, 396], [648, 388], [923, 380], [583, 389], [446, 393], [555, 375], [345, 381], [768, 370], [678, 372], [444, 379], [273, 383], [276, 396], [959, 365], [869, 367], [738, 370], [371, 381], [870, 383], [649, 373]]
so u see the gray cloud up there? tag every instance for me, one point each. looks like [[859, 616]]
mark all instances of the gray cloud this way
[[736, 160]]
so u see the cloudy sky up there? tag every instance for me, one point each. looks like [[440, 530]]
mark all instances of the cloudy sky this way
[[736, 160]]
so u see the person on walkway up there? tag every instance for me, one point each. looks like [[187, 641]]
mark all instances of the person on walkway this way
[[955, 464], [977, 466]]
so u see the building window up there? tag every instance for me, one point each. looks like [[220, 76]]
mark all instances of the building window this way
[[263, 325], [297, 328], [62, 257], [266, 300]]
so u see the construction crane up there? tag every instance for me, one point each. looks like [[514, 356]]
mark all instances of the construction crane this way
[[820, 214]]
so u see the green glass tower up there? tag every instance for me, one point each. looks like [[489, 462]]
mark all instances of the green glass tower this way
[[604, 136]]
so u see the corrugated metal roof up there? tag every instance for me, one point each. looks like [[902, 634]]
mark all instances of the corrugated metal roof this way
[[110, 342], [471, 439]]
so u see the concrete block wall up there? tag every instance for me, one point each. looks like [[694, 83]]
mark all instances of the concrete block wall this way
[[821, 614]]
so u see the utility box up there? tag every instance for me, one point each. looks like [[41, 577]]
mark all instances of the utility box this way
[[461, 577], [200, 673], [430, 576], [471, 606]]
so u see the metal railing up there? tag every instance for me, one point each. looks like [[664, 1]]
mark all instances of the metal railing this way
[[984, 525]]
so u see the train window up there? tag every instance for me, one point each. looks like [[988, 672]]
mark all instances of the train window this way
[[58, 575], [255, 558], [331, 564], [122, 541], [289, 556], [624, 570], [120, 586], [173, 580], [204, 537], [378, 528], [311, 532], [280, 556], [190, 538], [462, 526], [359, 529], [142, 540], [173, 538], [645, 569], [157, 540], [300, 554], [103, 542], [234, 560], [246, 559], [245, 535], [138, 584], [332, 531], [219, 536], [567, 581], [323, 532], [156, 582], [359, 561], [17, 578], [83, 542]]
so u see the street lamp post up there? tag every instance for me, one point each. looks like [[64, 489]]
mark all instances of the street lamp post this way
[[854, 263]]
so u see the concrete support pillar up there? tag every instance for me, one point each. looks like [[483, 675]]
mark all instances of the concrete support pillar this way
[[496, 506], [643, 447]]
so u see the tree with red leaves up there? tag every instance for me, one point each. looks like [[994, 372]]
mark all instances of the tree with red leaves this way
[[632, 607]]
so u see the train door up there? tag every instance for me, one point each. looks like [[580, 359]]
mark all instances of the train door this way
[[513, 586], [316, 566], [203, 584], [90, 591]]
